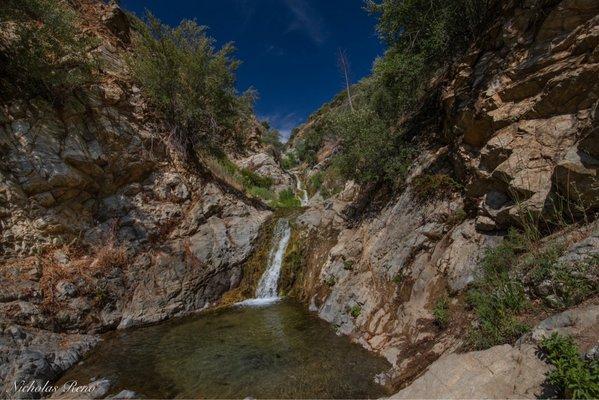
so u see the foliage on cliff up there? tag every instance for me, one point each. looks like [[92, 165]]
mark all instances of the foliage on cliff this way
[[189, 80], [422, 37], [42, 50]]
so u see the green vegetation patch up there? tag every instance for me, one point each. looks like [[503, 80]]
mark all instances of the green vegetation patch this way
[[441, 312], [523, 268], [189, 80], [575, 377], [355, 311], [497, 297], [48, 54], [287, 199], [434, 186]]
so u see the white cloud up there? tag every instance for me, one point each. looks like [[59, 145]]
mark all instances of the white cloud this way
[[284, 123], [306, 19]]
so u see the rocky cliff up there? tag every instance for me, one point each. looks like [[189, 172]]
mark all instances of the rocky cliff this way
[[514, 124], [102, 225]]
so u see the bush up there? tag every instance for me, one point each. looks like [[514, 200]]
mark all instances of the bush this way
[[289, 161], [315, 182], [565, 284], [287, 199], [272, 138], [457, 217], [251, 179], [263, 193], [330, 281], [437, 186], [190, 81], [423, 35], [441, 313], [47, 55], [497, 297], [370, 151], [576, 378], [355, 311], [348, 265]]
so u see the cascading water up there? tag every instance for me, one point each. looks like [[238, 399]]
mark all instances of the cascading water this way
[[266, 292], [304, 193]]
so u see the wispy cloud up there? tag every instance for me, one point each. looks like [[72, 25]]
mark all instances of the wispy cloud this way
[[284, 123], [246, 10], [306, 19], [277, 51]]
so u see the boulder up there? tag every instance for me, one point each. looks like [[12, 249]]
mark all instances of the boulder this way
[[504, 372]]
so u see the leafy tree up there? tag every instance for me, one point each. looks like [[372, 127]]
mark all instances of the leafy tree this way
[[43, 51], [272, 137], [423, 36], [371, 151], [190, 81]]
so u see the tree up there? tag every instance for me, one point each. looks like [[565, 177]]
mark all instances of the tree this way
[[189, 80], [344, 66]]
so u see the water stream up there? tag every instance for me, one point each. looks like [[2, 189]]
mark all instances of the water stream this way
[[304, 200], [267, 292]]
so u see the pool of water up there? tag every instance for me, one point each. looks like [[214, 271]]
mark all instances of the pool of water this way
[[274, 351]]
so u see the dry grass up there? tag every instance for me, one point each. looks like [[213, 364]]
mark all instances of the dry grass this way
[[86, 267]]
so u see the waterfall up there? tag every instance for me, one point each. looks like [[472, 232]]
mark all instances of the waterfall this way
[[304, 197], [266, 292]]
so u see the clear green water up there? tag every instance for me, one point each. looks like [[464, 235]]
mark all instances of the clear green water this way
[[278, 351]]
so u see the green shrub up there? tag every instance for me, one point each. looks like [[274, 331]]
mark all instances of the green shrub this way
[[398, 279], [348, 265], [48, 55], [251, 179], [315, 182], [423, 36], [187, 79], [287, 199], [355, 311], [497, 297], [272, 138], [370, 151], [263, 193], [457, 217], [330, 281], [576, 378], [437, 186], [289, 161], [441, 313], [570, 284]]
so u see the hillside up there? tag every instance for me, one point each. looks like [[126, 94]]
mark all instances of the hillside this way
[[501, 154]]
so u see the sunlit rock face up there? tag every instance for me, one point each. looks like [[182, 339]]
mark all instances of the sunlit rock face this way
[[517, 119], [101, 223]]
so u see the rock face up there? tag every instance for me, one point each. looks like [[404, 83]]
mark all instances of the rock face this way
[[264, 164], [101, 225], [526, 113], [518, 127], [32, 355], [504, 372]]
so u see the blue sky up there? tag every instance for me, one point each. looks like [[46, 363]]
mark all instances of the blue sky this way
[[288, 47]]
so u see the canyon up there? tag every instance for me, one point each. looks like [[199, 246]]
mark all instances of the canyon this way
[[106, 229]]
